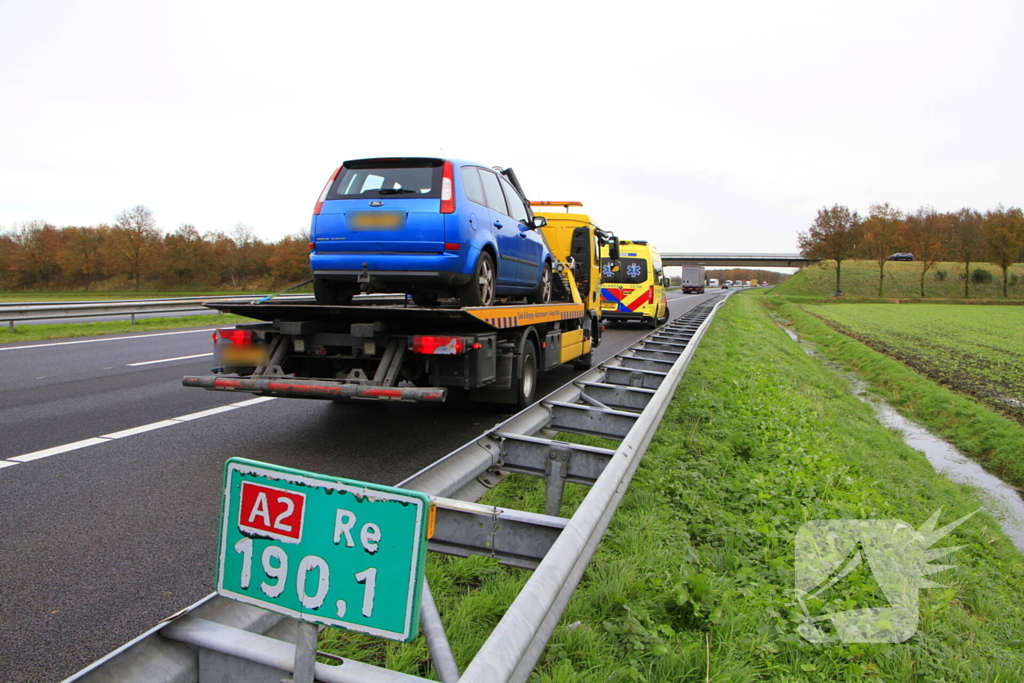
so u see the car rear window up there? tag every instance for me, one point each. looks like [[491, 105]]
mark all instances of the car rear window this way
[[377, 178], [624, 271]]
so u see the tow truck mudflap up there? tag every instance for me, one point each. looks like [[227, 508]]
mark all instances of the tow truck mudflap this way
[[285, 387]]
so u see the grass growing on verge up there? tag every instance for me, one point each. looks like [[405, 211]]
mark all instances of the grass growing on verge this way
[[27, 333], [694, 580]]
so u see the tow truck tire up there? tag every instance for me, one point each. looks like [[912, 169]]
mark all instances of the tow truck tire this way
[[328, 293], [542, 294], [526, 377], [479, 291]]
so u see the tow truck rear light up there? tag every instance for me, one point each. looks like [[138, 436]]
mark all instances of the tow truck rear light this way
[[438, 346], [327, 188], [232, 336], [447, 188]]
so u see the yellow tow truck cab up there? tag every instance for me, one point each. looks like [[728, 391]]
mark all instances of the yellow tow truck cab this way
[[575, 240]]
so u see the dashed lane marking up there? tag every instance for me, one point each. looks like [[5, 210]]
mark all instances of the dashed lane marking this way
[[106, 438]]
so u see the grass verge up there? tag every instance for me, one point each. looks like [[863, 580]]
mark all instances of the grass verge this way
[[694, 579], [28, 333]]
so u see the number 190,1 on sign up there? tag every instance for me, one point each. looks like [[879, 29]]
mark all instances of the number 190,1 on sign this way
[[323, 549]]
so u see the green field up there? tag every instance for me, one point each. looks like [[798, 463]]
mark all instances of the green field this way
[[976, 350]]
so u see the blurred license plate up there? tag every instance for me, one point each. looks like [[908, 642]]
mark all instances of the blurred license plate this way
[[376, 220], [234, 356]]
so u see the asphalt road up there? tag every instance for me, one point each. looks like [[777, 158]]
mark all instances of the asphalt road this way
[[110, 479]]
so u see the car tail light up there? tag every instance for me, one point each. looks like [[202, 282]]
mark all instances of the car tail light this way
[[327, 188], [448, 188], [232, 336], [438, 346], [451, 246]]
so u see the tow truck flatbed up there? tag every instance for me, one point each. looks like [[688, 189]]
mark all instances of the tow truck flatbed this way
[[400, 318]]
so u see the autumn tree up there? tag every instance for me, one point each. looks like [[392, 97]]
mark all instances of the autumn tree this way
[[81, 256], [135, 241], [834, 235], [881, 236], [246, 255], [924, 233], [965, 243], [189, 259], [34, 259], [7, 247], [1002, 231], [289, 259]]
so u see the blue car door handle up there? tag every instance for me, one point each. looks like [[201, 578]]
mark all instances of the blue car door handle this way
[[497, 224]]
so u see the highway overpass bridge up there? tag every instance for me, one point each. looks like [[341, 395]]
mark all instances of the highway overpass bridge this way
[[737, 260]]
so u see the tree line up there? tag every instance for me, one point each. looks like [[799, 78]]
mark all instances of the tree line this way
[[133, 253], [966, 236]]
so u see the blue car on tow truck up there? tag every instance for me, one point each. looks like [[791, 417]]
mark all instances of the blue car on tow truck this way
[[428, 227]]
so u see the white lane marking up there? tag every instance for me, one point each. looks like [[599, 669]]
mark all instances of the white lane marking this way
[[206, 413], [106, 438], [168, 360], [105, 339], [139, 430], [254, 401], [58, 449]]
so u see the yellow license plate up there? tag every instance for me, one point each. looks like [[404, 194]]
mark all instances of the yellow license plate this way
[[376, 220], [243, 356]]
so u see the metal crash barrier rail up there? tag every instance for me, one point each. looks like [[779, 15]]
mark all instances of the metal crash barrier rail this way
[[12, 313], [622, 400]]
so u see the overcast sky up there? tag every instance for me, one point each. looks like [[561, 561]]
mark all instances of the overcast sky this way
[[711, 126]]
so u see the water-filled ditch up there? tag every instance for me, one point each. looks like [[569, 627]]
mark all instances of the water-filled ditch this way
[[999, 499]]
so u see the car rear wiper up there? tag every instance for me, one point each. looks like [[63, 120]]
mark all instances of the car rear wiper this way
[[396, 190]]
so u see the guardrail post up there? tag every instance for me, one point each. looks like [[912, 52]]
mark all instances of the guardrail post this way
[[556, 469], [437, 642], [305, 652]]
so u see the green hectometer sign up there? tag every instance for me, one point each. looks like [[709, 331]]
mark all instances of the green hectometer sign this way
[[323, 549]]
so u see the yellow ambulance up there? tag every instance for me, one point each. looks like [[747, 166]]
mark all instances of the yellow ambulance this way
[[633, 286]]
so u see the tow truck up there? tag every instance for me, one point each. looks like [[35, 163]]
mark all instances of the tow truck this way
[[377, 351]]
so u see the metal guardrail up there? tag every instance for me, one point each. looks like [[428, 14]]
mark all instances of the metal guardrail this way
[[622, 400], [11, 313]]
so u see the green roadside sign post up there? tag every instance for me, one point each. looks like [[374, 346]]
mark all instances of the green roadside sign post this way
[[322, 549]]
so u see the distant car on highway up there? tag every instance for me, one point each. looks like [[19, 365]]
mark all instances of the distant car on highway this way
[[901, 256]]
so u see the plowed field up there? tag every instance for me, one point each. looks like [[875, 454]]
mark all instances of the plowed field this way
[[975, 350]]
